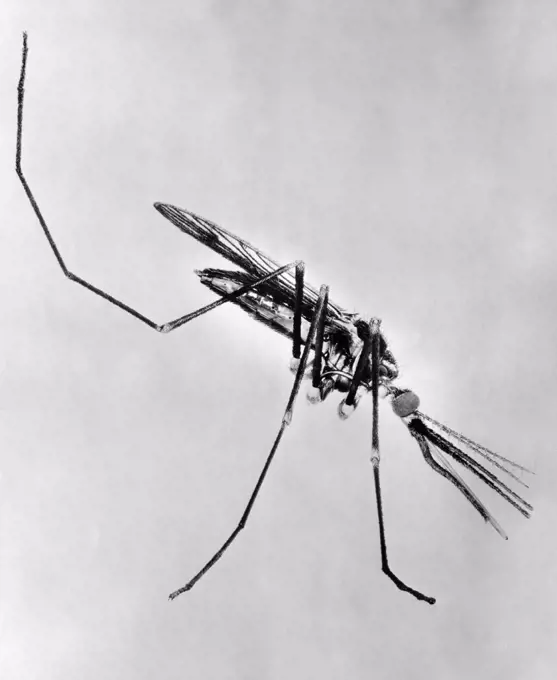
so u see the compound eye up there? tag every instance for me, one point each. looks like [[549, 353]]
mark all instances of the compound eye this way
[[405, 404]]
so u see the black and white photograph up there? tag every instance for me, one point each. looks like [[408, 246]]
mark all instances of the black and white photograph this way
[[279, 340]]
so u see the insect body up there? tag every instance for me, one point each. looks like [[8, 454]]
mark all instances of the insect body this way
[[349, 355], [342, 352], [273, 303]]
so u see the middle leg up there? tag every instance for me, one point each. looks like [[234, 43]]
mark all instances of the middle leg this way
[[315, 326]]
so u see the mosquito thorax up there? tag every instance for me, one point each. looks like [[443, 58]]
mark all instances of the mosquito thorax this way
[[405, 403]]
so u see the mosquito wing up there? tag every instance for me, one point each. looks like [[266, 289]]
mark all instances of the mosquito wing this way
[[218, 239], [252, 260]]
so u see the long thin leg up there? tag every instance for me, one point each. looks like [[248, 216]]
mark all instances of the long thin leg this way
[[286, 420], [161, 328], [358, 373], [375, 458], [297, 328], [318, 354]]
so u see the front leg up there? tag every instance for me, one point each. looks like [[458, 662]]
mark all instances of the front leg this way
[[374, 340]]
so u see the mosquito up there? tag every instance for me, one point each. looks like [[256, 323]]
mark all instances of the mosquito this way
[[337, 351]]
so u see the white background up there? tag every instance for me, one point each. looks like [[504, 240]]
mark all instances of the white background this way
[[408, 152]]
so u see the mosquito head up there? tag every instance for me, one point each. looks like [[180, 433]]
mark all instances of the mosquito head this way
[[405, 403]]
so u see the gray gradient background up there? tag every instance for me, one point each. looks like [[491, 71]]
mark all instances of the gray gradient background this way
[[408, 152]]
